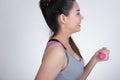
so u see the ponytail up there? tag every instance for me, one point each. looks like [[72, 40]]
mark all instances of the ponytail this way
[[43, 4]]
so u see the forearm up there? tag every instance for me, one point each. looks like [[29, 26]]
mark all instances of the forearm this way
[[88, 68]]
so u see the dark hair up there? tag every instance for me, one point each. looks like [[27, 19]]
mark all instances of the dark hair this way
[[51, 9]]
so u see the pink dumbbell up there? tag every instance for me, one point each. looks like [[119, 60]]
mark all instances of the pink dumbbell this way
[[101, 56]]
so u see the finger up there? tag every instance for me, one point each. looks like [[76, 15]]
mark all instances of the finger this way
[[104, 48], [108, 51]]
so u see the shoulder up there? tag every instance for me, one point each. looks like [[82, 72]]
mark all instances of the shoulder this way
[[52, 63], [55, 52]]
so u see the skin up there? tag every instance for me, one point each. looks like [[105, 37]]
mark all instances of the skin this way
[[54, 59]]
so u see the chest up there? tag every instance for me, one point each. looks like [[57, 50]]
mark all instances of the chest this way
[[73, 70], [72, 53]]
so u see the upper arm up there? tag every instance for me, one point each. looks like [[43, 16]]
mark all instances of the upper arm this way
[[52, 63]]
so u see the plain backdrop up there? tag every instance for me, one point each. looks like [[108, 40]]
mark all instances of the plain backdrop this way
[[24, 34]]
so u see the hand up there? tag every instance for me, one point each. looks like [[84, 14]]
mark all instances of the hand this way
[[103, 50]]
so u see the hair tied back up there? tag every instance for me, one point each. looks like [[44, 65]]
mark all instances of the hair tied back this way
[[45, 2]]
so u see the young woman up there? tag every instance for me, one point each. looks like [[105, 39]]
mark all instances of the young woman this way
[[62, 59]]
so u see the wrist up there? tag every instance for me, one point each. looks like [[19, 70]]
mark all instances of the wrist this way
[[94, 60]]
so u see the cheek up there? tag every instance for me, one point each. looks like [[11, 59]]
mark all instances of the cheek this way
[[73, 26], [78, 19], [75, 18], [73, 21]]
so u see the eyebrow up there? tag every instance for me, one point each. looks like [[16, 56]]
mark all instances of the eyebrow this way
[[78, 10]]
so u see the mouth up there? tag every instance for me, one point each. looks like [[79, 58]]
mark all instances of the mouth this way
[[79, 25]]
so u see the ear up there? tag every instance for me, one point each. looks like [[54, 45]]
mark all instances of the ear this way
[[62, 18]]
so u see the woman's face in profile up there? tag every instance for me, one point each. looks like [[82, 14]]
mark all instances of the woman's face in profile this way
[[74, 18]]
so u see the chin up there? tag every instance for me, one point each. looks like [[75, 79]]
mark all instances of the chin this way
[[78, 30]]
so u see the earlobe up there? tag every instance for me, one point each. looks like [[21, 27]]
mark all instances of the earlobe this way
[[62, 19]]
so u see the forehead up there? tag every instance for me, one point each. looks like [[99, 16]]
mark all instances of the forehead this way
[[75, 7]]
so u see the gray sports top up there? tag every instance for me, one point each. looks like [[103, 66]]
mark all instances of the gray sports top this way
[[74, 68]]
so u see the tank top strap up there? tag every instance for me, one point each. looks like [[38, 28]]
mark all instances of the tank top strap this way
[[53, 41]]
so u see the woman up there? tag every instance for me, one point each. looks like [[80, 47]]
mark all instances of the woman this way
[[62, 59]]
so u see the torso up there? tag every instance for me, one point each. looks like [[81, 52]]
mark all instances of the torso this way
[[73, 65], [73, 68]]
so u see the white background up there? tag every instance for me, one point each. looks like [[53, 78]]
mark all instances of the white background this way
[[24, 34]]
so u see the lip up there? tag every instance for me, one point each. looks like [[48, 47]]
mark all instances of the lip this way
[[79, 25]]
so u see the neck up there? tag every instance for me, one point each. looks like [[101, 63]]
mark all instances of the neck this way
[[62, 37]]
